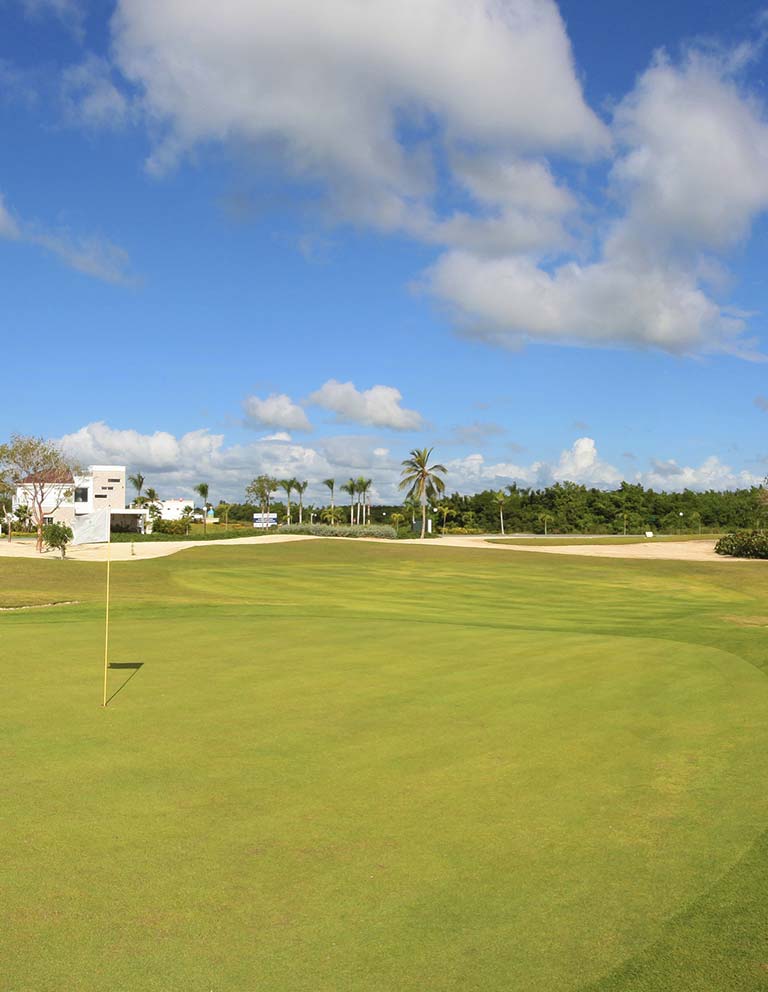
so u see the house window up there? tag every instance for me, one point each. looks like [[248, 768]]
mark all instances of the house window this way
[[114, 480], [81, 494], [47, 520], [101, 495]]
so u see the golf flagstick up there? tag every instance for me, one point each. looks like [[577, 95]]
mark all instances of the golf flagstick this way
[[106, 615]]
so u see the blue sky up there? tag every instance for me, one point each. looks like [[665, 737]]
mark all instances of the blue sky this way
[[304, 238]]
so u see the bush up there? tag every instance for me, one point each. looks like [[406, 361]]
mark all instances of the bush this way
[[341, 530], [57, 537], [743, 544], [178, 527]]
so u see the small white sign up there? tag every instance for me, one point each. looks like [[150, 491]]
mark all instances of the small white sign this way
[[649, 533]]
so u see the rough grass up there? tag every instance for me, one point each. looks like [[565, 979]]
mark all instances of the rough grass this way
[[379, 767]]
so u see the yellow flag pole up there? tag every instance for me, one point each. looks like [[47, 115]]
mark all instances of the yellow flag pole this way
[[106, 615]]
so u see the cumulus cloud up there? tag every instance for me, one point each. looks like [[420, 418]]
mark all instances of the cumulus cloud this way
[[328, 91], [579, 463], [692, 174], [174, 464], [277, 410], [378, 406], [711, 474]]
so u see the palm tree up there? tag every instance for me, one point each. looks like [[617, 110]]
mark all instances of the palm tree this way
[[288, 485], [500, 498], [397, 519], [202, 491], [137, 481], [331, 485], [364, 489], [545, 518], [447, 511], [350, 488], [301, 488], [422, 480]]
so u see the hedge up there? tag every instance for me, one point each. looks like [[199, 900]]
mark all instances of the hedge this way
[[341, 530], [743, 544]]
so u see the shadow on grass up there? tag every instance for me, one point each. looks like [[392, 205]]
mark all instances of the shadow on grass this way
[[132, 666]]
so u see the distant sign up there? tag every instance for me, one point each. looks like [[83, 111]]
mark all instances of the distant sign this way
[[265, 520], [649, 533]]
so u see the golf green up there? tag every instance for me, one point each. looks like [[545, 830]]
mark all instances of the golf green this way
[[339, 766]]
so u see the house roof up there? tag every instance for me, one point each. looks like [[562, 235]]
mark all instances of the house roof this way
[[51, 477]]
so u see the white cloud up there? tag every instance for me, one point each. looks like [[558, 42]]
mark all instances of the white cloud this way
[[616, 301], [711, 474], [692, 175], [277, 410], [378, 406], [278, 436], [696, 160], [326, 88], [579, 463], [174, 464]]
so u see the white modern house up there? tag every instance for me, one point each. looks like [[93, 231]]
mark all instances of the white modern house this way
[[173, 509], [101, 487]]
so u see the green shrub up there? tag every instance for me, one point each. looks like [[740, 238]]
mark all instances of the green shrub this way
[[341, 530], [178, 527], [57, 537], [743, 544]]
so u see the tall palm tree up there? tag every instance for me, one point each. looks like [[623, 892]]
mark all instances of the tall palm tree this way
[[422, 480], [137, 481], [350, 488], [500, 498], [301, 488], [364, 488], [546, 518], [288, 485], [202, 491], [331, 485]]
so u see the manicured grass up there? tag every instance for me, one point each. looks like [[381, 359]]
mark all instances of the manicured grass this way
[[611, 539], [378, 767]]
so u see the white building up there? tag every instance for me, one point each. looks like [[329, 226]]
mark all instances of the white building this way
[[102, 487], [173, 509]]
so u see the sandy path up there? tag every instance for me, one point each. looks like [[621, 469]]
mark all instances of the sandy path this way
[[136, 552], [699, 551]]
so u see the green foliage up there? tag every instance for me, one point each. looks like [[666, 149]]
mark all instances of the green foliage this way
[[170, 527], [57, 537], [744, 544], [575, 509]]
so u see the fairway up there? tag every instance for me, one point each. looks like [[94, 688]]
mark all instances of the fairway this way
[[371, 768]]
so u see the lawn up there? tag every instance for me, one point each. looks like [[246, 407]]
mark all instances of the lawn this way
[[383, 768]]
